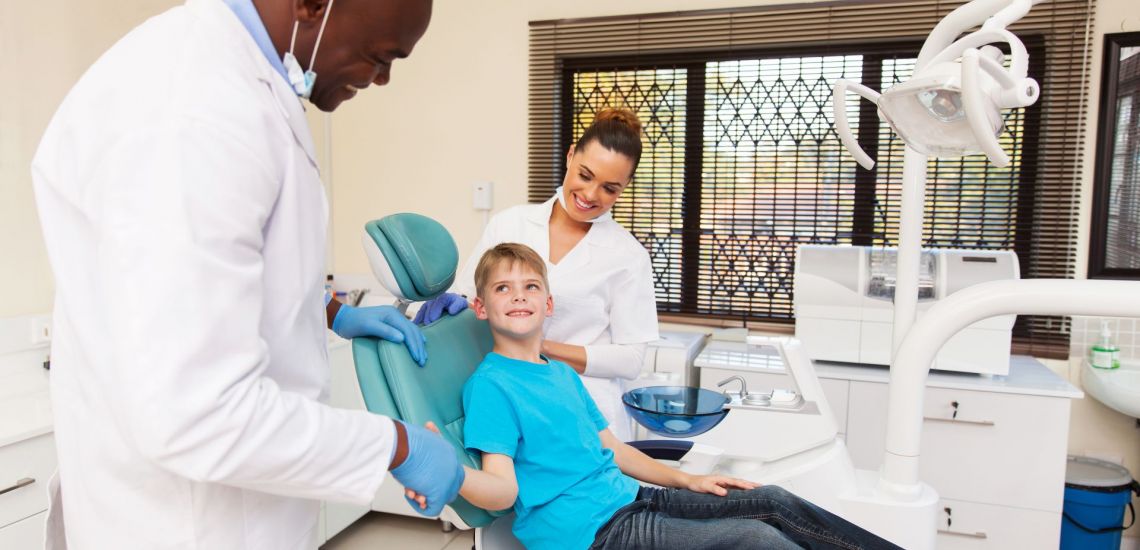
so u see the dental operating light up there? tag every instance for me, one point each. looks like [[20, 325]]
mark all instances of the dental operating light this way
[[952, 105]]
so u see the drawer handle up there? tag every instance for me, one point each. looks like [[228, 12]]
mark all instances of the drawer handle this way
[[959, 421], [977, 535], [19, 484]]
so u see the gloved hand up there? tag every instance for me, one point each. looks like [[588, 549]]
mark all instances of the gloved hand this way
[[384, 322], [433, 309], [431, 470]]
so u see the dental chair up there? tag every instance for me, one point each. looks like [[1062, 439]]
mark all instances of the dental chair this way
[[415, 259]]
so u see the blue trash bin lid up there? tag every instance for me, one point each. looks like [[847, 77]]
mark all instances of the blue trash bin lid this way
[[1082, 472]]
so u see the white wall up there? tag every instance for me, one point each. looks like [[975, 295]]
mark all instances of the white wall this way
[[45, 45]]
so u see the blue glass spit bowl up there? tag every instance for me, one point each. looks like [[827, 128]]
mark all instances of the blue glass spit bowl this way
[[676, 411]]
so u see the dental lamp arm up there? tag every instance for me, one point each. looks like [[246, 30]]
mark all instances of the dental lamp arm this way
[[842, 126], [960, 20]]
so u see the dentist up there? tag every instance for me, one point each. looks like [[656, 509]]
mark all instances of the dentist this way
[[185, 224], [605, 310]]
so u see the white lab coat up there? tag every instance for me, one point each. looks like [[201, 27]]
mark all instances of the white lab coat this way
[[185, 224], [603, 298]]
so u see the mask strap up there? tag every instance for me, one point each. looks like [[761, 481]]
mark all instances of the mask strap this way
[[320, 34]]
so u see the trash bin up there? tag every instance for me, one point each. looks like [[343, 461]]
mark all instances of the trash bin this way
[[1096, 494]]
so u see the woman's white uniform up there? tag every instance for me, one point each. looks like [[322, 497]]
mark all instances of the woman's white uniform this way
[[185, 224], [603, 298]]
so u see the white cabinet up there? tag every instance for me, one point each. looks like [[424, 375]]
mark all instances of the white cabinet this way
[[993, 447], [344, 393], [27, 533], [998, 463]]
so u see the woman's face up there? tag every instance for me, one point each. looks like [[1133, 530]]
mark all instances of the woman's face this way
[[595, 178]]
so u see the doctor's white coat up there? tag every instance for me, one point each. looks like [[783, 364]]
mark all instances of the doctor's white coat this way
[[185, 223]]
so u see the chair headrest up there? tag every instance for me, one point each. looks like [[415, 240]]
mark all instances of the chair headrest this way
[[413, 256]]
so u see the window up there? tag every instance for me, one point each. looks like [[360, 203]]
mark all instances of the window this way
[[742, 164], [1114, 250]]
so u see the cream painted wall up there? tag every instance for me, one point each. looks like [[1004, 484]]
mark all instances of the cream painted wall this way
[[46, 45]]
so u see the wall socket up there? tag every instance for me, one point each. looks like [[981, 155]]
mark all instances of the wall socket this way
[[41, 329]]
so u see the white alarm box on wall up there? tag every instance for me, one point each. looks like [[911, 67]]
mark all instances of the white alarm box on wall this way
[[845, 312]]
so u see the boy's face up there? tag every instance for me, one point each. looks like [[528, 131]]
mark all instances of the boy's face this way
[[515, 301]]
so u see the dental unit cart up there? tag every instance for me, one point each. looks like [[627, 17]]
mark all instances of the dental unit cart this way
[[993, 447], [844, 304]]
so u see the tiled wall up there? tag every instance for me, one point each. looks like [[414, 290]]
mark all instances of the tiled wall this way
[[1125, 332]]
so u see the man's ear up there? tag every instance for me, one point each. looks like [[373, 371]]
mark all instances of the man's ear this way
[[310, 10], [480, 308]]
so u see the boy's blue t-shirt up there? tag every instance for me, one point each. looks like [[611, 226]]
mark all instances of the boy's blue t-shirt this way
[[541, 416]]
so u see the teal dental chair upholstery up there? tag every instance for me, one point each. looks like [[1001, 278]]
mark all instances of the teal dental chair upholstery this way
[[415, 258]]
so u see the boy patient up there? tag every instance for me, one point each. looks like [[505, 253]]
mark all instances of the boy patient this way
[[548, 453]]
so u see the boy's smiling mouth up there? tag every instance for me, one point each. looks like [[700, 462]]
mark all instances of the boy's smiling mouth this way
[[520, 313]]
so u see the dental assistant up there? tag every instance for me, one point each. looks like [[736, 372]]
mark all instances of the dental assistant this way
[[185, 223], [605, 309]]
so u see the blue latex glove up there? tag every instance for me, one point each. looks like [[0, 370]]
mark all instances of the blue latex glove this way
[[433, 309], [431, 469], [384, 322]]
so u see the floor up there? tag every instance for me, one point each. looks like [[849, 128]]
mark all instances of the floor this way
[[377, 530]]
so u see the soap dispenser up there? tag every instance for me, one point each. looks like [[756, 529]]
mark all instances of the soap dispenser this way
[[1104, 353]]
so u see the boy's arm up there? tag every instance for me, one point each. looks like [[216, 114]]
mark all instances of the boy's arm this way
[[638, 465], [494, 487]]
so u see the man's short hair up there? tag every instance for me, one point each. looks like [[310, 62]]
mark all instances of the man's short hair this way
[[515, 253]]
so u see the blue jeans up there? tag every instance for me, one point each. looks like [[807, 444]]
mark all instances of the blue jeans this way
[[766, 517]]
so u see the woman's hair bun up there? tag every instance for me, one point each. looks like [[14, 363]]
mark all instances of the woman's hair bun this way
[[624, 116]]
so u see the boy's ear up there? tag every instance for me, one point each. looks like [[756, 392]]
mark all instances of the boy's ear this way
[[549, 305], [480, 309]]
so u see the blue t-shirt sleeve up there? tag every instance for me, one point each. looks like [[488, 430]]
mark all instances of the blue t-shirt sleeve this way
[[592, 411], [490, 424]]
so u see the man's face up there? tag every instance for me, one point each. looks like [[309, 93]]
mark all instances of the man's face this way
[[360, 42], [515, 302]]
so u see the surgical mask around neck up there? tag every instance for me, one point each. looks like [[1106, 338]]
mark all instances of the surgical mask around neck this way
[[562, 200], [302, 80]]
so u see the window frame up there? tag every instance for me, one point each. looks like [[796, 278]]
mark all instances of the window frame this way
[[863, 214], [1105, 140]]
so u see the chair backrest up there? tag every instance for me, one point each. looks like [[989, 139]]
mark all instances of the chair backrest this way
[[391, 382]]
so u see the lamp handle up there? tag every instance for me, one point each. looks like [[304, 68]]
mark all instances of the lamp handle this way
[[974, 105], [842, 126]]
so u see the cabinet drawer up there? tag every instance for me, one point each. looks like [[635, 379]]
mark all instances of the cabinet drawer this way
[[1000, 448], [26, 533], [25, 468], [834, 390], [973, 526]]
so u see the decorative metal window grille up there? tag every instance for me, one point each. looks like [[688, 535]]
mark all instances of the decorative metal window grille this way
[[742, 164]]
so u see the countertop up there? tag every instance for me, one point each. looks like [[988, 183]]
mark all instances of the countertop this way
[[1027, 375]]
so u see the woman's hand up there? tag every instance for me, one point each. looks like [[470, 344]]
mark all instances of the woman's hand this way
[[717, 485]]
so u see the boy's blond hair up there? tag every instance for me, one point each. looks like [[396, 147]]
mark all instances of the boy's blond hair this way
[[515, 253]]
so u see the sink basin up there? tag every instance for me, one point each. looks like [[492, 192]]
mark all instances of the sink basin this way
[[1117, 388]]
